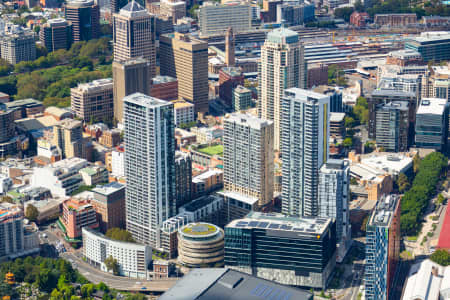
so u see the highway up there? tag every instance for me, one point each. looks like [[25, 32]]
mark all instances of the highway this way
[[95, 275]]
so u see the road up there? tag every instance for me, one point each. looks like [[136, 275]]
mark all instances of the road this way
[[95, 275]]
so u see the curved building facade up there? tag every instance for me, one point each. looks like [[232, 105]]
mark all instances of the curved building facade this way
[[201, 245]]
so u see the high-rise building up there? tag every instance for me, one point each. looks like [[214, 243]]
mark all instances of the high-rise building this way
[[186, 59], [76, 214], [229, 78], [229, 48], [93, 101], [215, 18], [334, 197], [242, 98], [7, 125], [132, 76], [18, 45], [174, 9], [287, 250], [85, 18], [383, 96], [68, 136], [382, 248], [248, 157], [304, 148], [392, 126], [431, 45], [56, 34], [432, 123], [149, 166], [295, 14], [281, 67], [183, 180], [11, 229], [116, 5], [134, 35], [436, 83]]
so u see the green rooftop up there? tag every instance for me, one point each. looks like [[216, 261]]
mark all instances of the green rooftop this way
[[212, 150]]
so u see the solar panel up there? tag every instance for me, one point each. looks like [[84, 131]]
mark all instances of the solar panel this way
[[242, 223], [310, 230], [252, 224], [263, 224], [286, 227], [274, 226], [298, 229]]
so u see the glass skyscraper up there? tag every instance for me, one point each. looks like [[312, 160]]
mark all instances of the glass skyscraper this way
[[149, 166]]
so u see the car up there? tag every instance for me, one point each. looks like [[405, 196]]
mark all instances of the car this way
[[143, 288]]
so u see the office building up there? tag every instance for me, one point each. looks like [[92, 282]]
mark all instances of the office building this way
[[134, 35], [76, 214], [229, 78], [24, 108], [85, 18], [164, 88], [61, 178], [248, 157], [116, 5], [172, 9], [18, 45], [206, 182], [242, 98], [216, 18], [7, 126], [384, 96], [149, 166], [68, 136], [382, 248], [200, 245], [11, 230], [183, 112], [433, 46], [334, 198], [432, 124], [93, 101], [436, 83], [287, 250], [186, 59], [206, 284], [56, 34], [392, 126], [295, 14], [183, 180], [133, 259], [337, 124], [304, 148], [335, 94], [94, 175], [132, 76], [281, 67]]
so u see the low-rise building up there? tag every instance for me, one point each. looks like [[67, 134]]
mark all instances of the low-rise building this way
[[164, 87], [242, 98], [207, 134], [48, 209], [76, 214], [207, 182], [337, 124], [395, 20], [183, 112], [94, 175], [110, 138], [118, 162], [184, 138], [133, 259], [359, 19]]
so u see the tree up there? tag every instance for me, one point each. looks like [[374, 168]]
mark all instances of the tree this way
[[440, 199], [349, 122], [361, 110], [343, 13], [441, 257], [112, 265], [120, 235], [348, 142], [31, 213], [359, 7], [402, 182], [416, 163]]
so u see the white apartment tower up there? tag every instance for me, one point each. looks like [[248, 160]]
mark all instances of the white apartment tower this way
[[304, 149], [248, 157], [149, 166], [282, 66]]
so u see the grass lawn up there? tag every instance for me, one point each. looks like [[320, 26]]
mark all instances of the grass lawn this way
[[212, 150]]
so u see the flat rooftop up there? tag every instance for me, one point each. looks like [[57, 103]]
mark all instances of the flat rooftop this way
[[95, 85], [280, 222], [384, 211], [144, 100], [108, 188], [227, 284], [247, 120], [199, 203], [392, 163], [239, 197], [337, 117]]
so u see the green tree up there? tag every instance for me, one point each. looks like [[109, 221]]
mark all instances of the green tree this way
[[112, 265], [348, 142], [343, 13], [402, 182], [349, 122], [120, 235], [416, 163], [440, 199], [361, 110], [31, 213], [441, 257]]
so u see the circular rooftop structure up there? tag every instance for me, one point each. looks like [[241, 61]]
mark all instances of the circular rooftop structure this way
[[201, 245]]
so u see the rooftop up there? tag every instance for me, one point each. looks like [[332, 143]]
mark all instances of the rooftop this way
[[80, 3], [337, 117], [384, 211], [199, 229], [404, 53], [302, 94], [57, 22], [181, 103], [199, 203], [390, 163], [239, 197], [99, 84], [163, 79], [227, 284], [24, 102], [432, 36], [144, 100], [69, 124], [242, 89], [232, 71], [432, 106], [133, 9], [280, 222], [247, 120], [444, 236], [392, 93], [206, 175], [400, 105], [282, 35]]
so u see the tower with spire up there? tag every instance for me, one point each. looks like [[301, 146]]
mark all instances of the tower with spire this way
[[229, 48]]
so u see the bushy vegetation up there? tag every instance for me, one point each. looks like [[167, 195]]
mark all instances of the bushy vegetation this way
[[49, 78], [120, 235], [415, 200], [441, 257]]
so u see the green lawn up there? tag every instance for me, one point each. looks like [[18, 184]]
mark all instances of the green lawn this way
[[212, 150]]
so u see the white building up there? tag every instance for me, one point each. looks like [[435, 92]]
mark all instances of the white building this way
[[5, 184], [207, 134], [427, 281], [183, 112], [61, 177], [118, 163], [133, 259], [215, 18]]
